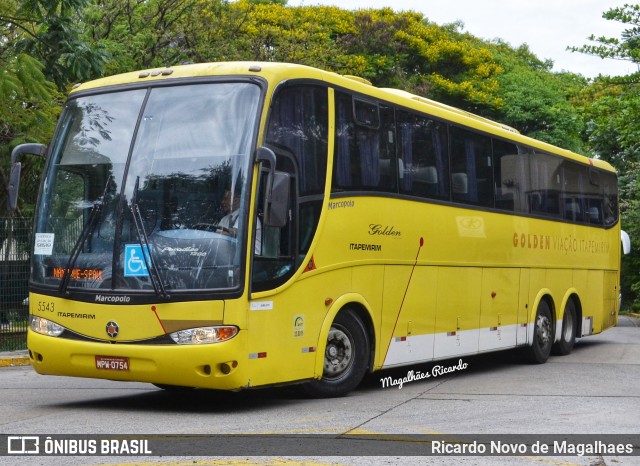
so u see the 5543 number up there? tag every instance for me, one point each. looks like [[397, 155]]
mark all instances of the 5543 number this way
[[46, 306]]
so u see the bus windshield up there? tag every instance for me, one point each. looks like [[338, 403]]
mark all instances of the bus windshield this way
[[146, 189]]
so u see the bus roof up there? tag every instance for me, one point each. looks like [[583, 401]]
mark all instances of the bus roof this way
[[275, 72]]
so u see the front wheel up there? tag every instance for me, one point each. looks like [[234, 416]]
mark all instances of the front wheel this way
[[345, 357], [540, 349]]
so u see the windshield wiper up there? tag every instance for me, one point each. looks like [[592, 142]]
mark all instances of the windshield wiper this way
[[87, 232], [138, 221]]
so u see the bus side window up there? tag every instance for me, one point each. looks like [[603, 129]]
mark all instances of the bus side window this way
[[471, 168], [546, 184], [365, 146], [609, 182], [298, 123], [575, 184], [594, 198], [423, 165], [511, 174]]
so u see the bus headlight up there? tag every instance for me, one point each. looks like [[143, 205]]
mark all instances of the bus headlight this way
[[204, 335], [45, 327]]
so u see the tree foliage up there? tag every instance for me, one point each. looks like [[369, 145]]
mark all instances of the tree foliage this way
[[611, 110], [139, 34], [612, 132], [626, 47], [29, 103], [49, 30], [30, 106], [388, 48], [538, 102]]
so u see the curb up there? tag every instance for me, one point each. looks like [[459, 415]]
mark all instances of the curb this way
[[14, 361]]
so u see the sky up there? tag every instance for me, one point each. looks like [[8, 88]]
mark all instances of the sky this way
[[548, 27]]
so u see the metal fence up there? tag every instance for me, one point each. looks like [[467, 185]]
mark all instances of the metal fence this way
[[15, 242]]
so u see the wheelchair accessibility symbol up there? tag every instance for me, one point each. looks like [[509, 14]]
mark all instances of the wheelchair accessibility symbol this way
[[134, 264]]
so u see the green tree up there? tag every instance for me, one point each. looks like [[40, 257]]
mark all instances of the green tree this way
[[49, 30], [627, 47], [612, 133], [390, 49], [29, 102], [611, 106], [537, 101], [40, 44], [30, 106], [406, 51], [139, 34]]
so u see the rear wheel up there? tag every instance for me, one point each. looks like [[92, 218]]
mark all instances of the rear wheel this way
[[345, 357], [540, 349], [568, 335]]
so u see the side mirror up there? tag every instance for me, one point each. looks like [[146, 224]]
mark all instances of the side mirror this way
[[33, 149], [626, 242], [16, 167], [14, 187], [276, 199], [276, 213]]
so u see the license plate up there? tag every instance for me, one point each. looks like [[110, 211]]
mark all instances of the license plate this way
[[112, 363]]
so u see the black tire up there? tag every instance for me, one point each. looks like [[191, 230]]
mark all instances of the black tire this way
[[346, 357], [540, 348], [568, 335]]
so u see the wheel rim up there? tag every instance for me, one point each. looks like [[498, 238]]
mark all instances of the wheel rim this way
[[567, 324], [338, 356], [543, 330]]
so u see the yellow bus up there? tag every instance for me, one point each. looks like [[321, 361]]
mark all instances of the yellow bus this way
[[237, 225]]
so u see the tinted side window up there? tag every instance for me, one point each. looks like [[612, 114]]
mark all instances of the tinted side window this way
[[544, 193], [511, 174], [423, 163], [609, 183], [594, 198], [365, 157], [298, 126], [575, 183], [471, 168]]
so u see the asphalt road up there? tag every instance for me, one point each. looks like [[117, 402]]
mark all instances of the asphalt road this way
[[594, 390]]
